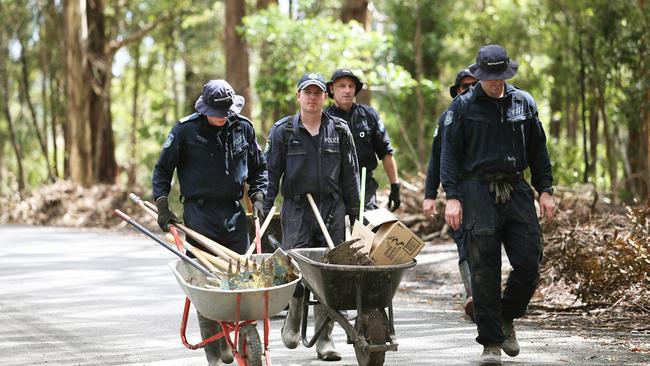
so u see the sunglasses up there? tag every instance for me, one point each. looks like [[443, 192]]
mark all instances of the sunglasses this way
[[468, 85]]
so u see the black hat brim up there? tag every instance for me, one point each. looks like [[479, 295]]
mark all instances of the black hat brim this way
[[452, 91], [210, 111], [358, 85], [482, 74]]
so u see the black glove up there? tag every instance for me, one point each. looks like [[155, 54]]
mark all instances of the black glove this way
[[165, 215], [258, 208], [394, 200]]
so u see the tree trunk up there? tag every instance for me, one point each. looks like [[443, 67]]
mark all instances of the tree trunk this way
[[583, 103], [356, 10], [24, 87], [593, 141], [5, 90], [134, 115], [101, 61], [237, 53], [264, 4], [78, 79], [419, 72]]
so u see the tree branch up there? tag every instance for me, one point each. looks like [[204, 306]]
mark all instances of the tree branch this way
[[138, 34]]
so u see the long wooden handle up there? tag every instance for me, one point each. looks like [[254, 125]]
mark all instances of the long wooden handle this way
[[213, 263], [265, 225], [326, 234], [208, 243]]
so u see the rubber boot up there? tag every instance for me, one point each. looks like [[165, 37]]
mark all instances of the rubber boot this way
[[510, 345], [491, 356], [466, 276], [291, 327], [325, 345], [212, 350]]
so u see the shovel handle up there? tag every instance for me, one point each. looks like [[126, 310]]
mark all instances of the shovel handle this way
[[267, 221], [326, 233], [148, 233]]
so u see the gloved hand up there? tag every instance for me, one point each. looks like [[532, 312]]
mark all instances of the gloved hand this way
[[258, 208], [394, 200], [165, 215]]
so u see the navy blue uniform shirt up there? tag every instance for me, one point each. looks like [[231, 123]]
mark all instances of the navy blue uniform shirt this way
[[335, 161], [370, 136], [433, 170], [210, 167], [486, 135]]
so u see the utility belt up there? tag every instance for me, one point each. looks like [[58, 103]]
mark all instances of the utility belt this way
[[500, 184], [302, 198], [202, 200], [496, 177]]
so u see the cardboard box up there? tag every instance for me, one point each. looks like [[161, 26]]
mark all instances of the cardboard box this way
[[392, 243]]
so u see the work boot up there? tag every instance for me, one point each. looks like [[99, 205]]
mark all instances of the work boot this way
[[510, 346], [212, 350], [466, 276], [291, 328], [325, 345], [491, 356]]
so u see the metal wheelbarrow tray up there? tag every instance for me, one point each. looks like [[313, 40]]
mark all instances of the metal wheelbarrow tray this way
[[367, 289], [221, 305], [235, 310]]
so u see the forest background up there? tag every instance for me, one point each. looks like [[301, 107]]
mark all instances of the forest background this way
[[90, 88]]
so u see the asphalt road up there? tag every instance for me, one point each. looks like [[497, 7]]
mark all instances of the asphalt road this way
[[73, 297]]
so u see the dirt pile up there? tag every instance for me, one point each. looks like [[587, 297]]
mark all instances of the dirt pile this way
[[64, 203]]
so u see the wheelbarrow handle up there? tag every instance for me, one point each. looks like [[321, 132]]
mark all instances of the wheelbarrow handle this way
[[265, 225], [326, 233], [148, 233]]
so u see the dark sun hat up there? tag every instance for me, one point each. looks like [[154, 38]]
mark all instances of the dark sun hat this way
[[218, 99], [344, 73], [461, 74], [493, 63]]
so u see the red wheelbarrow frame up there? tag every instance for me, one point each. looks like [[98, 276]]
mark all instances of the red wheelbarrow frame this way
[[227, 327]]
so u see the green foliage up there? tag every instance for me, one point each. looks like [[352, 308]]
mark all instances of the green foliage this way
[[292, 47]]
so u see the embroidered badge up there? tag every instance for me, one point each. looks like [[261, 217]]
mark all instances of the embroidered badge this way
[[169, 140], [449, 118]]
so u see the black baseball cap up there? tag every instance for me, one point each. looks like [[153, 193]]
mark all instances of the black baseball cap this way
[[461, 74], [312, 78], [493, 63], [344, 73], [218, 99]]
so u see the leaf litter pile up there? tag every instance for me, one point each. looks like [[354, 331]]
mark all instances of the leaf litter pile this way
[[595, 272]]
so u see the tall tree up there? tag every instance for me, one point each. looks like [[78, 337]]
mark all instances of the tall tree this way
[[237, 52], [77, 81], [356, 10]]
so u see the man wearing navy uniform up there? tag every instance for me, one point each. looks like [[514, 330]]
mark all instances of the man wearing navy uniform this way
[[312, 152], [214, 152], [492, 133], [464, 81], [370, 136]]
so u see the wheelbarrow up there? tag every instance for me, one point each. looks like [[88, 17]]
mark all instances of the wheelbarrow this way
[[235, 310], [367, 289]]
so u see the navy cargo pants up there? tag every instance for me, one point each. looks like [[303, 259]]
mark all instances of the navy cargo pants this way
[[486, 225], [222, 221], [300, 228]]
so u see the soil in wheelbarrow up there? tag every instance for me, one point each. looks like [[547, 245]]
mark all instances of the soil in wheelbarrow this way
[[348, 253]]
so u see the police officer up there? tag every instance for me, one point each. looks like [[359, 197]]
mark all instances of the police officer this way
[[464, 81], [370, 136], [492, 133], [214, 152], [311, 152]]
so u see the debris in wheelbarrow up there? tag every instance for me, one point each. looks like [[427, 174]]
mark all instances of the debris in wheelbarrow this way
[[345, 252]]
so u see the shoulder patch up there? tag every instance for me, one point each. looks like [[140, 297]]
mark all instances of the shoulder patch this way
[[449, 118], [435, 132], [189, 118], [168, 142]]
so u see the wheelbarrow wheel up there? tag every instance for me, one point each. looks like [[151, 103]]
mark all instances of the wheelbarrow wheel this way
[[372, 325], [249, 345]]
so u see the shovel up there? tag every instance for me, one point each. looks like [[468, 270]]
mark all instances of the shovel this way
[[345, 253]]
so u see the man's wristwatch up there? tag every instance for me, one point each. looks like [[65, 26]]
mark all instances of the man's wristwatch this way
[[548, 190]]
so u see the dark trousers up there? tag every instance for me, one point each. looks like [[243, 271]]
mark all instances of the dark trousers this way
[[371, 194], [300, 228], [222, 221], [486, 225], [460, 245]]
